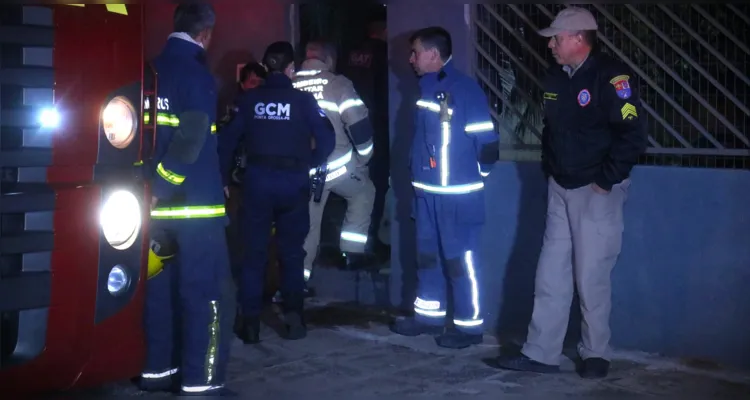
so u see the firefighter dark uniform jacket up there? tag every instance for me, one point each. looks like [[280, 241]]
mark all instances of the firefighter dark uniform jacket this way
[[270, 120], [452, 126], [186, 181], [348, 114], [593, 132]]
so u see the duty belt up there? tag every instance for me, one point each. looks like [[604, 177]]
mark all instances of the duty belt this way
[[277, 162]]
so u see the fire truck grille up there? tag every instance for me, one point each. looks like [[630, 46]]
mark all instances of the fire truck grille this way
[[27, 202]]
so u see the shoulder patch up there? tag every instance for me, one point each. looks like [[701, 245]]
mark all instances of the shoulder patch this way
[[322, 113], [622, 86]]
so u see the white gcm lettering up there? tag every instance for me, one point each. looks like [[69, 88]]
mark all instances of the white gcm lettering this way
[[274, 111]]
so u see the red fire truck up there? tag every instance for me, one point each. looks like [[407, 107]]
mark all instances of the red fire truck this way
[[72, 244]]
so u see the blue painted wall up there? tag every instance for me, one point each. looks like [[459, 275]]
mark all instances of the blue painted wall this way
[[682, 284]]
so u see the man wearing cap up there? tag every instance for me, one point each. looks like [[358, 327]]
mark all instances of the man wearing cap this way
[[593, 135], [275, 123]]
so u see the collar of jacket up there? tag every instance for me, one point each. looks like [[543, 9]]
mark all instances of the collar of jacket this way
[[432, 78], [180, 46], [312, 64], [589, 62], [278, 80], [184, 36]]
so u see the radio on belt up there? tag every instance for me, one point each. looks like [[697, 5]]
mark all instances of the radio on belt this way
[[318, 182]]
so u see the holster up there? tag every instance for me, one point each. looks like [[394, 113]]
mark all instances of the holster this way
[[318, 182]]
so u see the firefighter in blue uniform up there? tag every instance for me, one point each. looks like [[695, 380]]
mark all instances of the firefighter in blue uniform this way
[[188, 203], [453, 127], [276, 124]]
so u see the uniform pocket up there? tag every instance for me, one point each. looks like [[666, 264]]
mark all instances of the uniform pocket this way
[[605, 210]]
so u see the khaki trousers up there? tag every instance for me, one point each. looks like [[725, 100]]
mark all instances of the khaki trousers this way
[[582, 241]]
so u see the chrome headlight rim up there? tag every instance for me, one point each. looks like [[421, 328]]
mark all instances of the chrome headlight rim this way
[[119, 121], [118, 280], [120, 219]]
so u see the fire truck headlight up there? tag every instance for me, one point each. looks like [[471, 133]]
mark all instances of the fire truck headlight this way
[[49, 118], [120, 218], [119, 122], [118, 280]]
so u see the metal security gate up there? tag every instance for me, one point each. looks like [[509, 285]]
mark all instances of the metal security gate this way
[[691, 61]]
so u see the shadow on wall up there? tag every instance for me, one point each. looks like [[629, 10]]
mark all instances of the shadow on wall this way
[[517, 298], [407, 85]]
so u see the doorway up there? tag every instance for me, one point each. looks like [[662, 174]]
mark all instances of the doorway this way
[[344, 24]]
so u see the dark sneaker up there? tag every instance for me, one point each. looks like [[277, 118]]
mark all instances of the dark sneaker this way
[[523, 363], [594, 368]]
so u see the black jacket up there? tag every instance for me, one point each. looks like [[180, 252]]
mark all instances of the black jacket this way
[[275, 120], [594, 127]]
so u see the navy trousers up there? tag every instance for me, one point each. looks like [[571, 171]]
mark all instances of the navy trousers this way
[[445, 248], [281, 198], [189, 308]]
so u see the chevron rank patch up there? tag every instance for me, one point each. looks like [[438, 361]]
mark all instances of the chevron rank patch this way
[[628, 112], [622, 86]]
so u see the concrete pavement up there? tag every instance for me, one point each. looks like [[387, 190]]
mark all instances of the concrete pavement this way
[[351, 354]]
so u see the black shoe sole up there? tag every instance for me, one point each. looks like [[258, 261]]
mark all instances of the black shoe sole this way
[[525, 367]]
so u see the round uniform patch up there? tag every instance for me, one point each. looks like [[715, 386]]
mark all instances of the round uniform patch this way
[[584, 98]]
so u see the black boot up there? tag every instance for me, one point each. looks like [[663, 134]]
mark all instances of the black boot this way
[[166, 384], [295, 326], [454, 339], [218, 392], [411, 327], [248, 330]]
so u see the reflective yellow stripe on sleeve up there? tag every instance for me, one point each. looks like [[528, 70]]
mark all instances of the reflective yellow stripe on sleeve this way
[[169, 120], [188, 212], [169, 176]]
